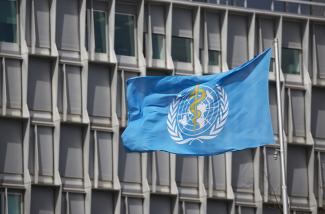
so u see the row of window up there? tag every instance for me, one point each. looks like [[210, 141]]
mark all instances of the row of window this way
[[99, 93], [44, 199], [101, 152], [182, 33]]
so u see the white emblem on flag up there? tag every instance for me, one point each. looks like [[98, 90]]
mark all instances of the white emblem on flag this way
[[197, 114]]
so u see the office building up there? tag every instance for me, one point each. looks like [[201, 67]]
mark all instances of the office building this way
[[63, 71]]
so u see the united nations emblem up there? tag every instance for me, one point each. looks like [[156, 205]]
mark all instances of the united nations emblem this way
[[197, 114]]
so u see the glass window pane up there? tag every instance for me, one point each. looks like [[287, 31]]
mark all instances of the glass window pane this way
[[160, 204], [158, 46], [76, 203], [71, 152], [74, 99], [14, 206], [42, 23], [272, 64], [100, 31], [237, 52], [67, 25], [8, 21], [99, 91], [182, 49], [187, 171], [291, 60], [124, 35], [214, 57], [102, 202], [11, 146], [13, 79], [39, 93], [243, 171], [42, 200]]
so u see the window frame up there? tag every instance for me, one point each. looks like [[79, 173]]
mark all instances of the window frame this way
[[43, 113], [125, 59], [10, 46], [300, 65], [163, 47], [4, 194], [105, 30], [36, 156], [180, 65]]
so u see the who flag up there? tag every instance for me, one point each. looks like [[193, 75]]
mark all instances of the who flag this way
[[200, 115]]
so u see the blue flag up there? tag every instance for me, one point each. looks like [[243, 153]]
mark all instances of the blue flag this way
[[200, 115]]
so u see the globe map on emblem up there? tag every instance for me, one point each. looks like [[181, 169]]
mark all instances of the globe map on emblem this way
[[198, 110]]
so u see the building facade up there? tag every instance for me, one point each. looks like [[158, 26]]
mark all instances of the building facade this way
[[64, 65]]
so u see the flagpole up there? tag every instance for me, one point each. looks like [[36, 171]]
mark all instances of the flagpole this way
[[280, 128]]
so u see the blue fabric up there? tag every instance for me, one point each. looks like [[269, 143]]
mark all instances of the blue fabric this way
[[200, 115]]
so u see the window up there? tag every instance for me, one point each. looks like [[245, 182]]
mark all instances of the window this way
[[214, 57], [237, 40], [291, 61], [101, 155], [8, 21], [71, 152], [99, 91], [298, 112], [67, 33], [39, 85], [74, 89], [14, 203], [245, 210], [73, 203], [274, 176], [129, 168], [12, 200], [157, 15], [275, 209], [162, 168], [297, 179], [42, 17], [102, 202], [160, 204], [11, 146], [13, 75], [131, 205], [318, 114], [42, 200], [214, 43], [266, 36], [158, 46], [187, 171], [182, 49], [273, 107], [291, 47], [69, 89], [320, 49], [189, 207], [182, 35], [125, 34], [216, 205], [123, 76], [100, 22], [218, 172], [43, 143], [243, 171]]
